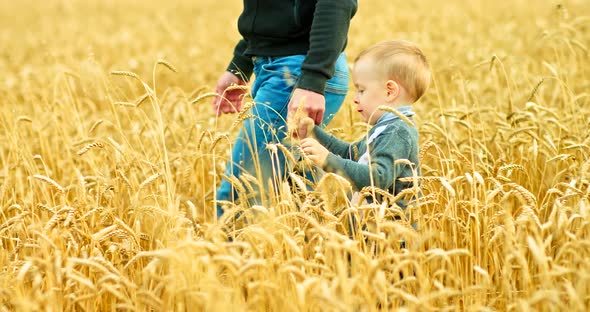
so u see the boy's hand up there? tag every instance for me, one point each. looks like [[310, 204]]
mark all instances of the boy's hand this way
[[314, 151], [305, 128]]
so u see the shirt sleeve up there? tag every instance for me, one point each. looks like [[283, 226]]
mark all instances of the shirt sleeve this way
[[381, 172], [240, 64], [327, 40]]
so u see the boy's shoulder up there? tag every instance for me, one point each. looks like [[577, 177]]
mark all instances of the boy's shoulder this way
[[395, 125], [393, 133]]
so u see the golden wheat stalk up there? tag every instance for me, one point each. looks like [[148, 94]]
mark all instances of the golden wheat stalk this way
[[149, 180], [167, 65], [125, 73], [141, 99], [86, 148], [398, 114], [240, 119], [95, 125], [203, 96], [50, 181], [24, 118], [69, 217]]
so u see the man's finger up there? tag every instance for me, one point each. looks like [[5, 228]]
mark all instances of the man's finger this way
[[313, 115]]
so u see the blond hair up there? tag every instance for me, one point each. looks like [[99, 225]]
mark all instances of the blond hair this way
[[403, 62]]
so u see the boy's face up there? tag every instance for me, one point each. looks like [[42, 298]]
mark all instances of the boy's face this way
[[371, 90]]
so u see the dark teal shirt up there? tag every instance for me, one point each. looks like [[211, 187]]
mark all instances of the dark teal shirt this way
[[316, 28]]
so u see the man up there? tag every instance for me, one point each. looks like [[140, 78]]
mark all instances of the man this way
[[295, 49]]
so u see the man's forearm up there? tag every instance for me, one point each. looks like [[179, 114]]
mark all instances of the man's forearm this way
[[327, 40], [241, 65]]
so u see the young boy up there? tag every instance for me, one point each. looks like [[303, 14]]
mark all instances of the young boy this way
[[394, 74]]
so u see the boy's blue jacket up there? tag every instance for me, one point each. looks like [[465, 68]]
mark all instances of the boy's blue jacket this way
[[317, 28]]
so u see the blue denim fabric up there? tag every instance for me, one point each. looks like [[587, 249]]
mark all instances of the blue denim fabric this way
[[271, 90]]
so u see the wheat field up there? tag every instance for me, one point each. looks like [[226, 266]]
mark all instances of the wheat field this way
[[111, 152]]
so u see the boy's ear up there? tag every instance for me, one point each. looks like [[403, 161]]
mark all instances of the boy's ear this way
[[392, 89]]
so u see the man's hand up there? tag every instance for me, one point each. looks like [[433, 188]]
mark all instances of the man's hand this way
[[231, 90], [314, 151], [314, 105]]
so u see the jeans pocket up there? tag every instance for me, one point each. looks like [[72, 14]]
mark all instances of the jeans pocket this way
[[338, 84], [285, 67], [282, 72]]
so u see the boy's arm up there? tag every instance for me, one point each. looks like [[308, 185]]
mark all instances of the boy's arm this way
[[333, 144], [386, 149]]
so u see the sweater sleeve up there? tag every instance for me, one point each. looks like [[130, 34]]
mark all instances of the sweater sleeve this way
[[241, 65], [336, 146], [381, 172], [327, 40]]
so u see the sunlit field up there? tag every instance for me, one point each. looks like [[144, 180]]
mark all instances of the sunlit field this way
[[110, 155]]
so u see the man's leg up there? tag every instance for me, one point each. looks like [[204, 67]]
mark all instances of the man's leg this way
[[271, 91], [275, 79]]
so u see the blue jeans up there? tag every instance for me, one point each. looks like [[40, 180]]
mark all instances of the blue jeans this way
[[271, 90]]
